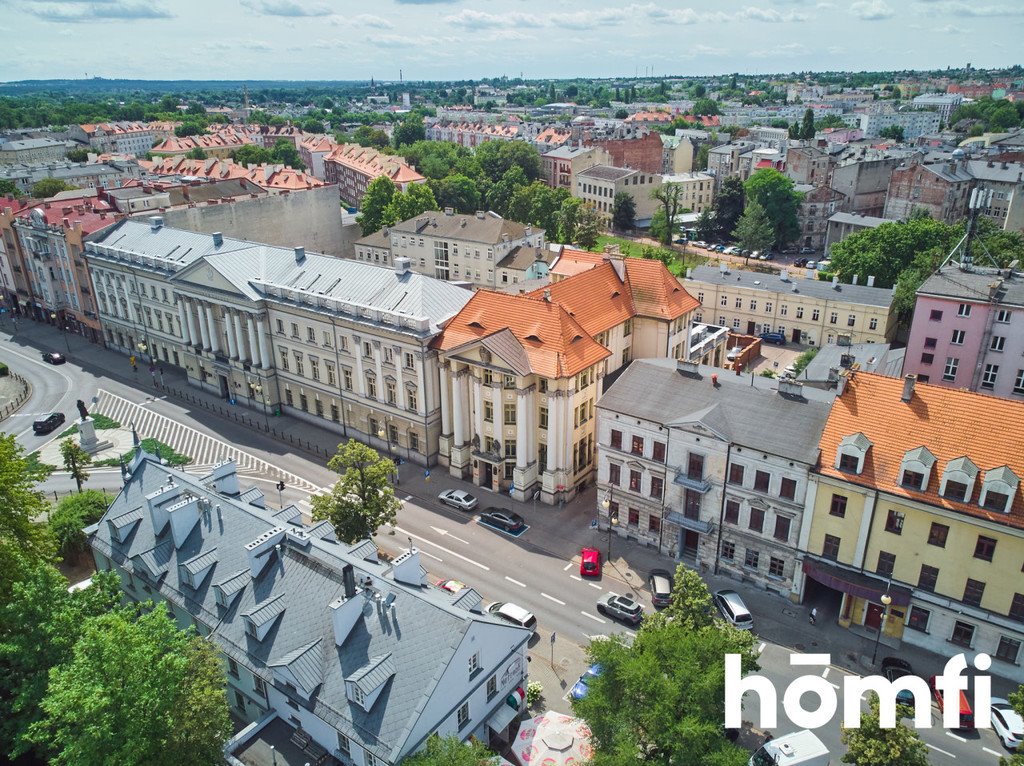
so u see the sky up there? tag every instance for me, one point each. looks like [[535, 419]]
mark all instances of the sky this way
[[470, 39]]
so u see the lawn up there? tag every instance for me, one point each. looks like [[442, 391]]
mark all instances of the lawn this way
[[676, 261], [101, 422], [151, 446], [32, 462]]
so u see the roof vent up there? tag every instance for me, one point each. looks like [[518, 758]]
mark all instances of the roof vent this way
[[835, 283], [156, 223], [908, 388], [300, 254], [480, 214], [218, 239], [402, 265], [547, 295], [871, 281]]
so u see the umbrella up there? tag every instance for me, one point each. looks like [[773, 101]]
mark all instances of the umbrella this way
[[553, 739]]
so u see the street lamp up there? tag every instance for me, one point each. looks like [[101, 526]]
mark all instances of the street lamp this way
[[886, 600], [606, 504], [257, 389], [53, 317]]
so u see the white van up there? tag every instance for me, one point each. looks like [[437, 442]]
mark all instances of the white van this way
[[733, 610], [514, 614]]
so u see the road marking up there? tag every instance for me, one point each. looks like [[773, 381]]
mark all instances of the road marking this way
[[551, 598], [595, 585], [824, 673], [407, 498], [446, 533], [830, 683], [515, 582], [940, 750], [567, 567], [761, 647], [576, 578], [992, 752], [810, 659], [431, 556], [956, 736], [595, 619], [446, 550]]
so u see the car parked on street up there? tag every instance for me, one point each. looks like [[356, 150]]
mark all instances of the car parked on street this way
[[622, 608], [806, 251], [503, 519], [733, 610], [1006, 723], [800, 262], [458, 499], [48, 422], [580, 688], [811, 264], [894, 668], [514, 614], [778, 338], [660, 582], [590, 562], [52, 357]]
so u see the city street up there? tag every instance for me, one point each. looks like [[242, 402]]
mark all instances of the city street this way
[[539, 570]]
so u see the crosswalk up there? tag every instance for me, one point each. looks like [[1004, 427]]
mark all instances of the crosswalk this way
[[206, 451]]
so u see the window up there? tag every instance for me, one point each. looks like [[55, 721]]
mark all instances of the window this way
[[258, 686], [912, 479], [949, 372], [492, 687], [1003, 316], [752, 558], [973, 591], [963, 634], [918, 619], [474, 664], [616, 440], [799, 312], [963, 310], [463, 715], [782, 524], [997, 343], [728, 550], [830, 549], [410, 361], [488, 378], [654, 523], [985, 548], [638, 445], [331, 377], [851, 320], [761, 480], [614, 474], [635, 478], [935, 316], [753, 305], [543, 417], [411, 400], [838, 507], [938, 534], [1018, 383], [347, 376], [768, 307], [627, 328], [232, 667], [995, 501], [658, 452], [724, 301], [371, 387], [1017, 608], [735, 474], [344, 747], [509, 414], [633, 517], [367, 349], [776, 567], [848, 463], [1008, 649], [886, 563], [695, 467], [958, 337], [756, 523], [488, 412], [295, 330], [873, 324], [732, 511], [930, 342], [656, 487], [928, 577], [414, 441], [787, 489], [834, 318], [988, 378], [955, 490], [739, 303], [369, 759]]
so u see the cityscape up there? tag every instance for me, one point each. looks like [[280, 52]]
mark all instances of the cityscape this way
[[412, 383]]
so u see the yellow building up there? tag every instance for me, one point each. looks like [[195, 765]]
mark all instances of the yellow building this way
[[917, 496]]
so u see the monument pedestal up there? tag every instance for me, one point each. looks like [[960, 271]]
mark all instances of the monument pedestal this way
[[87, 437]]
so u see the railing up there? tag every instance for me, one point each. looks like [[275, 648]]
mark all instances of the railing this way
[[11, 407]]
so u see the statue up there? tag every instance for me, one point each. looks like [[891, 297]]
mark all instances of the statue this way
[[82, 410]]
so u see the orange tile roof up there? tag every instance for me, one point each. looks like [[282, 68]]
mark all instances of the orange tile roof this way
[[656, 293], [658, 116], [951, 423], [572, 262], [555, 344], [281, 177]]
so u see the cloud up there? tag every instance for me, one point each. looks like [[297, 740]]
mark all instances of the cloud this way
[[369, 20], [871, 10], [788, 50], [288, 8], [423, 2], [960, 8], [769, 15], [107, 10]]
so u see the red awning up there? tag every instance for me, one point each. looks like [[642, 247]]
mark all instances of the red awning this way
[[855, 583]]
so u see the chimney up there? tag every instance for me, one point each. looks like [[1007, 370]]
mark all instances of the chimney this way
[[480, 214], [155, 223], [300, 254], [66, 222], [788, 387], [183, 517], [547, 295], [406, 568], [218, 239], [402, 265], [908, 388], [449, 211], [835, 283], [844, 378], [258, 551], [690, 369], [224, 478], [871, 281], [855, 278]]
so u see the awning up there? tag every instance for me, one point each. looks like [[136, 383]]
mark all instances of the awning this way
[[855, 583], [501, 718]]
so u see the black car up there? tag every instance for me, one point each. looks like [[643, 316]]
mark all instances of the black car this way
[[660, 582], [800, 262], [778, 338], [47, 423], [52, 357], [503, 519], [893, 668]]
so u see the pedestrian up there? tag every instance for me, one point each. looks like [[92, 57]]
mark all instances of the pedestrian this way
[[814, 616]]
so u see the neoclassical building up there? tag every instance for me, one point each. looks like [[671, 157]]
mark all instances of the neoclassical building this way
[[521, 375], [333, 341]]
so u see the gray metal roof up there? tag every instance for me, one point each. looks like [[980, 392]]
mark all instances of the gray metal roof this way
[[157, 558], [746, 410], [951, 282], [859, 220], [487, 228], [606, 173], [870, 357], [125, 519], [306, 663], [201, 562], [374, 673], [267, 611], [770, 283], [998, 172], [421, 632]]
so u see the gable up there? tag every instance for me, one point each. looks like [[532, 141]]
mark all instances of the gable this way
[[204, 274]]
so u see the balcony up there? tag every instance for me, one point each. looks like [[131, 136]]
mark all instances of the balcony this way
[[695, 525], [696, 483]]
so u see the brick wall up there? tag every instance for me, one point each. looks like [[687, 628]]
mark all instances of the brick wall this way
[[638, 153]]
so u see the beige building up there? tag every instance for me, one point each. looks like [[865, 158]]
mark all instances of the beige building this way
[[562, 165], [698, 190], [599, 185], [807, 311]]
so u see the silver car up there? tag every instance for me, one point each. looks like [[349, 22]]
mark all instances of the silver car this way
[[458, 499], [733, 610]]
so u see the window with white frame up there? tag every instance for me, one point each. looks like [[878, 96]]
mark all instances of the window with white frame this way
[[988, 377]]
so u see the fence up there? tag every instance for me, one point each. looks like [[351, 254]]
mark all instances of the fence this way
[[11, 407]]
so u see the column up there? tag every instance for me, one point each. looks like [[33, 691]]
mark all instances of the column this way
[[267, 359], [239, 336], [552, 442], [253, 348], [531, 424], [377, 354], [357, 352], [399, 365], [425, 388], [214, 335], [232, 347], [447, 378], [478, 413], [190, 318], [204, 325], [458, 408], [184, 325], [522, 424]]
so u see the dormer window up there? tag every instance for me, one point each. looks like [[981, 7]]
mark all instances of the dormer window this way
[[998, 489], [916, 468], [958, 480], [852, 451]]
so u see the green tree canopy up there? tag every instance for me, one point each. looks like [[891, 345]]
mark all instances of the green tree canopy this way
[[669, 196], [49, 187], [22, 535], [705, 106], [311, 125], [136, 691], [408, 131], [10, 189], [250, 154], [284, 152], [189, 128], [623, 210], [456, 191], [895, 132], [728, 207], [588, 227], [691, 604], [701, 162], [777, 195], [196, 154], [705, 227], [754, 231], [659, 228], [450, 751], [379, 193], [78, 155], [537, 204], [75, 512], [365, 135], [567, 220], [363, 498], [886, 251], [497, 157], [416, 199], [807, 127], [500, 194], [439, 159], [871, 745]]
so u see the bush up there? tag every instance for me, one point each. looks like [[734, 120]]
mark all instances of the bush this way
[[534, 691], [73, 515], [3, 369], [804, 359]]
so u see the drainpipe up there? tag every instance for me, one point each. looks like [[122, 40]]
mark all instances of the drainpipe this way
[[721, 511], [338, 372]]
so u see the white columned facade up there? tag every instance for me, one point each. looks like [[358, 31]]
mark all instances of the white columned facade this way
[[204, 327], [191, 321], [239, 338], [425, 391], [214, 340], [186, 338], [232, 347], [267, 360], [360, 377], [552, 429], [522, 426], [378, 352], [253, 348], [478, 412], [458, 408], [447, 378], [399, 362]]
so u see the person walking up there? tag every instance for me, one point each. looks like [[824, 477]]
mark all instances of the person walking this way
[[814, 616]]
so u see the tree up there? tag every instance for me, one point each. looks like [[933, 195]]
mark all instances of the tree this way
[[76, 461], [379, 193], [73, 514], [706, 228], [728, 206], [10, 189], [775, 193], [364, 135], [887, 250], [538, 205], [39, 625], [691, 602], [754, 231], [450, 751], [189, 128], [499, 196], [21, 536], [137, 690], [49, 187], [567, 220], [871, 745], [456, 191], [78, 155], [311, 125], [250, 154], [418, 198], [705, 106], [363, 498], [196, 154], [497, 157], [623, 210], [408, 131], [285, 153], [588, 227], [895, 132], [659, 228], [807, 128], [701, 162], [620, 114], [669, 195], [663, 696]]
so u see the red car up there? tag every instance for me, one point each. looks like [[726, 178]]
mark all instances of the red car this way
[[590, 562]]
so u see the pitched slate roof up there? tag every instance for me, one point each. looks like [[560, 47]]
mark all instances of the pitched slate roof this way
[[951, 423], [375, 672], [306, 664]]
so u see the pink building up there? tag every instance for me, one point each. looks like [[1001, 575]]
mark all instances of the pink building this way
[[968, 331]]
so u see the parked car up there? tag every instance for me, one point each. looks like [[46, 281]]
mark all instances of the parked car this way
[[580, 688], [733, 610], [768, 255], [52, 357], [966, 717], [893, 668], [452, 586], [800, 262], [48, 422], [1007, 723], [806, 251], [788, 250], [458, 499], [778, 338], [731, 250], [824, 263], [503, 519], [660, 582], [621, 608], [511, 613], [811, 264], [590, 562]]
